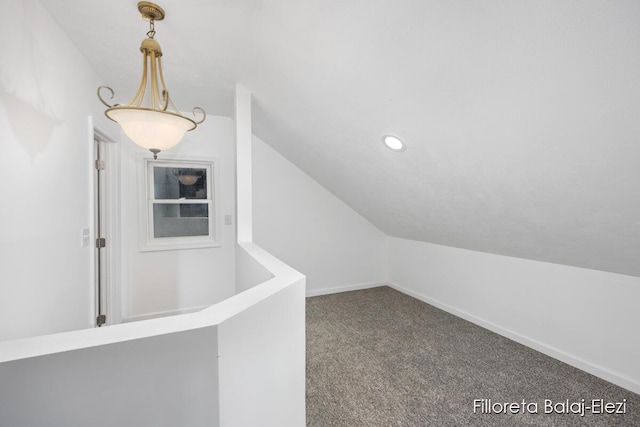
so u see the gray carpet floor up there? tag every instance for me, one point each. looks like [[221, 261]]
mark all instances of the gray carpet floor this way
[[377, 357]]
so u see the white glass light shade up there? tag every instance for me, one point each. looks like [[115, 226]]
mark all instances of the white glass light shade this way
[[151, 129], [188, 179]]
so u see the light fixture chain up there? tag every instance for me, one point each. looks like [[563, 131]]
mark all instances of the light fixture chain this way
[[152, 28]]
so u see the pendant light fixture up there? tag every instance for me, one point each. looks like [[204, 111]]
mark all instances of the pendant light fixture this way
[[151, 126], [188, 176]]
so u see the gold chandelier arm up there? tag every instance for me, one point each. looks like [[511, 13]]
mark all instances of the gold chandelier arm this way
[[204, 115], [142, 88], [165, 92], [155, 96], [102, 99], [165, 99]]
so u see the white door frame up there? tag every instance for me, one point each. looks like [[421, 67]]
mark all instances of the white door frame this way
[[111, 222]]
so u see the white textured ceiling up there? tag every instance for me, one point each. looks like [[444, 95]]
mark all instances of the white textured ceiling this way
[[522, 118]]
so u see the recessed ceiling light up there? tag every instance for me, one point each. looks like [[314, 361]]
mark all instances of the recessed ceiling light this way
[[394, 143]]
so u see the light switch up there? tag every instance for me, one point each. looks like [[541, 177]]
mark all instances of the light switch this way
[[84, 236], [228, 220]]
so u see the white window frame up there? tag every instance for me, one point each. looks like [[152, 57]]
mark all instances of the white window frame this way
[[147, 241]]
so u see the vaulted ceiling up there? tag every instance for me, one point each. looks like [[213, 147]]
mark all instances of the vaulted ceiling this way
[[521, 118]]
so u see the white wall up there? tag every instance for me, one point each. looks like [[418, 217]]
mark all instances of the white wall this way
[[45, 175], [300, 222], [262, 348], [166, 380], [586, 318], [249, 272], [171, 281], [262, 351]]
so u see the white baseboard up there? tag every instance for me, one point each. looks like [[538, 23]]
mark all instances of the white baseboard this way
[[157, 314], [357, 287], [569, 359]]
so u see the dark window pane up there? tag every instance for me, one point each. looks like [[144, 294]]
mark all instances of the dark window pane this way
[[176, 183]]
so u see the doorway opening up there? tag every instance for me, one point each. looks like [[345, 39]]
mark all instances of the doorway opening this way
[[105, 229]]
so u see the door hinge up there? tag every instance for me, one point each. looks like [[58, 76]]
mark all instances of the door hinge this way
[[101, 242], [101, 319], [100, 165]]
